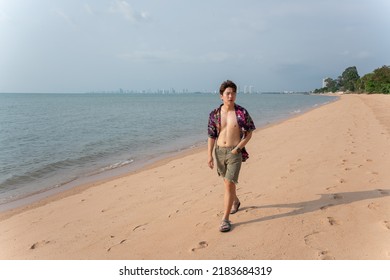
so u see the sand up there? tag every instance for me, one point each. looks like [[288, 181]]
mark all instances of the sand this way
[[316, 186]]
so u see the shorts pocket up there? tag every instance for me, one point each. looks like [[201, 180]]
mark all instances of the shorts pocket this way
[[235, 157]]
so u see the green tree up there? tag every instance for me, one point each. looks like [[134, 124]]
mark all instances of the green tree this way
[[377, 81], [349, 79], [331, 85], [382, 79]]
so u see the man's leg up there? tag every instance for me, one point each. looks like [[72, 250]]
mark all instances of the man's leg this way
[[230, 197]]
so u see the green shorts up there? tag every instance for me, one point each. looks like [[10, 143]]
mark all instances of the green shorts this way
[[228, 164]]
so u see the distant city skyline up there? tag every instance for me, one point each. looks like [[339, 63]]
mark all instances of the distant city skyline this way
[[243, 90]]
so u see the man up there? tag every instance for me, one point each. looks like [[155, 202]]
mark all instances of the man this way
[[229, 129]]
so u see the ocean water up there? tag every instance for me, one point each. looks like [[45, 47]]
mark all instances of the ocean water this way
[[51, 140]]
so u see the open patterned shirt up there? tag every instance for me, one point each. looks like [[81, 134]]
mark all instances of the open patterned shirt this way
[[244, 121]]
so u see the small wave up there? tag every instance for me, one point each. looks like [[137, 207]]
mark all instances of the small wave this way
[[116, 165], [19, 186], [47, 170], [298, 111], [27, 177]]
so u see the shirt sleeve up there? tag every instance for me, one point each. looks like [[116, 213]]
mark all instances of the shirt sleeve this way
[[212, 126], [249, 124], [244, 120]]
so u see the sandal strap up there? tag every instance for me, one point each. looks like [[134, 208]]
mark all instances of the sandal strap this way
[[225, 225]]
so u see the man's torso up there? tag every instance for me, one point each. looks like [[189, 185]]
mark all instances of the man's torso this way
[[229, 135]]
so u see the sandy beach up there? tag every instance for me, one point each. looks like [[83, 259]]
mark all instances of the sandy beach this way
[[316, 186]]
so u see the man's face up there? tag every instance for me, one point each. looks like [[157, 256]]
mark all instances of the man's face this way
[[228, 96]]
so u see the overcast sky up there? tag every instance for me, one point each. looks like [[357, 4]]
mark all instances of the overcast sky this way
[[273, 45]]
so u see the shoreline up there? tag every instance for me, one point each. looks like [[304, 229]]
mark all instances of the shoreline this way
[[45, 196], [316, 186]]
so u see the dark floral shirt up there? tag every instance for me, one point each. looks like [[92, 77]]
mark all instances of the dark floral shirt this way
[[244, 121]]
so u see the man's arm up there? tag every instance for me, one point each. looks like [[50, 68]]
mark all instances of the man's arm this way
[[243, 142], [210, 148]]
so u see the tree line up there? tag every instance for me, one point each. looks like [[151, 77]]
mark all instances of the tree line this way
[[377, 81]]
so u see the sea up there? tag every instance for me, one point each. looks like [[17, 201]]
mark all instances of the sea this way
[[50, 142]]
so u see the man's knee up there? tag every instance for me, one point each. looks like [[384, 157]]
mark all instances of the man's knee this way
[[229, 184]]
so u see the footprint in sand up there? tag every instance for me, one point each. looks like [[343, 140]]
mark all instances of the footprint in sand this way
[[326, 206], [39, 244], [387, 224], [140, 227], [313, 240], [176, 212], [324, 255], [332, 221], [342, 181], [64, 226], [374, 173], [329, 188], [201, 245], [373, 206], [383, 192], [337, 196], [309, 238], [123, 241]]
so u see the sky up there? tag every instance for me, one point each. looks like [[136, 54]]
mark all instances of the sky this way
[[273, 45]]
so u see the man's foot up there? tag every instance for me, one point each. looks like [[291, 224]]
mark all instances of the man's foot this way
[[235, 207], [225, 226]]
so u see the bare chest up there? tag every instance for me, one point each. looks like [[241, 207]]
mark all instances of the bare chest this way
[[229, 120]]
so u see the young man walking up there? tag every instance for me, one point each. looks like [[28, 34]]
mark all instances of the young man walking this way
[[229, 129]]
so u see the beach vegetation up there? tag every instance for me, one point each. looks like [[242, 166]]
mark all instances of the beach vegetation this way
[[349, 81], [331, 84], [376, 82]]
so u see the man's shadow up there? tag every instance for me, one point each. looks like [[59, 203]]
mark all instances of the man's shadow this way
[[325, 201]]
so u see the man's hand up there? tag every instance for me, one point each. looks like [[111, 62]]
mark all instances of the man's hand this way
[[211, 162]]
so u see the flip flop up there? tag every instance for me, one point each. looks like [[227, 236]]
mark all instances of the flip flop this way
[[225, 226], [235, 210]]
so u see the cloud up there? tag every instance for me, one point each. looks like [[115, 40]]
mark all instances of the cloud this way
[[220, 57], [245, 24], [175, 56], [148, 56], [345, 53], [364, 54], [65, 17], [123, 8], [88, 9]]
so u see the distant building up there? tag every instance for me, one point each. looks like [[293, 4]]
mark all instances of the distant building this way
[[248, 89], [324, 83]]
